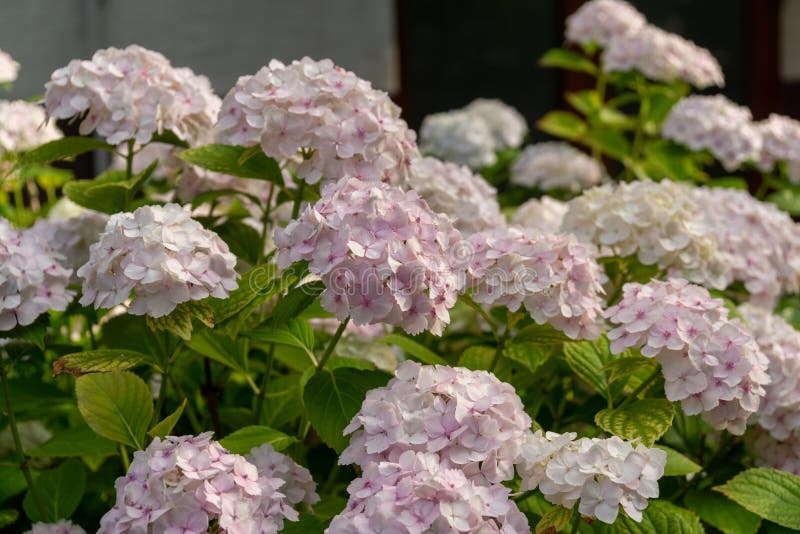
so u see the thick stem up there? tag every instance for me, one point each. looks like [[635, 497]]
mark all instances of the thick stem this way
[[265, 384], [210, 392], [332, 344]]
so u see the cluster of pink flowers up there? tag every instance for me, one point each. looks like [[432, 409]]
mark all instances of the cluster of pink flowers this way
[[603, 474], [23, 126], [779, 411], [182, 484], [716, 124], [556, 165], [418, 493], [770, 452], [598, 21], [383, 255], [340, 122], [9, 69], [63, 526], [554, 275], [544, 214], [470, 419], [298, 486], [131, 94], [710, 363], [32, 278], [161, 254], [780, 136]]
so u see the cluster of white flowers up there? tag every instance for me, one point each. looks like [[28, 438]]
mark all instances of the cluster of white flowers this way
[[470, 419], [298, 486], [544, 214], [474, 134], [556, 165], [716, 124], [182, 484], [131, 94], [9, 69], [599, 21], [554, 275], [660, 222], [603, 474], [783, 455], [32, 278], [23, 126], [779, 412], [63, 526], [161, 254], [383, 255], [454, 190], [758, 243], [419, 493], [780, 136], [340, 122], [662, 56], [710, 363]]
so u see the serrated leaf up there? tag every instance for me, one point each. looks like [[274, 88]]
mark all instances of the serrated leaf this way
[[562, 124], [179, 320], [588, 362], [294, 333], [477, 358], [244, 439], [255, 286], [242, 239], [567, 59], [722, 513], [78, 441], [414, 349], [626, 366], [116, 405], [677, 463], [228, 160], [168, 137], [63, 148], [165, 426], [645, 419], [660, 517], [60, 490], [531, 355], [554, 520], [768, 493], [110, 192], [99, 361], [295, 301], [333, 397]]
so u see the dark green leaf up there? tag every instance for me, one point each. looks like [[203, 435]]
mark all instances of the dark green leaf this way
[[60, 490], [78, 441], [218, 347], [8, 517], [588, 362], [63, 148], [531, 355], [609, 141], [541, 334], [12, 482], [242, 239], [33, 333], [295, 301], [168, 137], [244, 439], [226, 159], [477, 358], [306, 524], [413, 349], [678, 464]]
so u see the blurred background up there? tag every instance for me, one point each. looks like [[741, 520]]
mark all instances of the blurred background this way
[[430, 55]]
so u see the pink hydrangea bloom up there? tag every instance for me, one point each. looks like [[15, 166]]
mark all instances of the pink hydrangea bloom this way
[[780, 136], [23, 126], [468, 418], [298, 485], [770, 452], [383, 255], [710, 363], [598, 21], [64, 526]]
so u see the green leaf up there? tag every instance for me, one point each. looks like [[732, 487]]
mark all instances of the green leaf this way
[[228, 160], [678, 464], [627, 366], [168, 137], [244, 439], [242, 239], [414, 349], [660, 517], [295, 301], [530, 355], [609, 141], [587, 102], [165, 426], [219, 347], [179, 320], [788, 200], [665, 158], [554, 520], [33, 333], [646, 419], [567, 59], [541, 334], [722, 513], [116, 405], [477, 358], [306, 524], [295, 333], [255, 286], [588, 362], [78, 441], [8, 517], [728, 182], [108, 193], [60, 490], [99, 361], [768, 493], [333, 397], [12, 482], [562, 124], [63, 148]]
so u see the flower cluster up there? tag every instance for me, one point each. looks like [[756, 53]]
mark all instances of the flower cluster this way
[[658, 221], [341, 124], [23, 126], [716, 124], [779, 412], [598, 21], [544, 214], [162, 255], [780, 136], [603, 474], [298, 486], [455, 191], [474, 134], [419, 493], [182, 484], [710, 363], [9, 69], [470, 419], [32, 278], [131, 94], [64, 526], [383, 255], [783, 455], [556, 165], [662, 56], [554, 275], [758, 243]]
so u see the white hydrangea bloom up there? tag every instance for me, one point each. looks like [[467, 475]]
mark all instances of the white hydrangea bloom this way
[[556, 165], [507, 125], [598, 21], [455, 191], [780, 137], [603, 474], [544, 214], [24, 126], [160, 254], [662, 56], [63, 526], [716, 124], [458, 136], [131, 94], [770, 452], [9, 69]]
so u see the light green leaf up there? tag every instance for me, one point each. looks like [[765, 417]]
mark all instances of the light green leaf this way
[[414, 349], [554, 520], [567, 59], [165, 426], [295, 333], [562, 124], [677, 463], [228, 160], [541, 334], [219, 347], [587, 102], [116, 405], [646, 419], [60, 490], [63, 148], [531, 355], [788, 200], [660, 517], [768, 493], [99, 361], [78, 441], [244, 439], [588, 362], [626, 366], [722, 513], [477, 358], [609, 141]]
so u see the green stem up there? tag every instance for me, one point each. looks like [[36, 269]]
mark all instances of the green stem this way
[[576, 519], [265, 383], [23, 461], [128, 170], [478, 308], [644, 385], [123, 453], [332, 344], [162, 396], [191, 414], [501, 344], [265, 224], [298, 199]]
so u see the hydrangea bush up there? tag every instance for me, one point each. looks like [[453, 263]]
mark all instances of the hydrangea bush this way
[[275, 311]]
